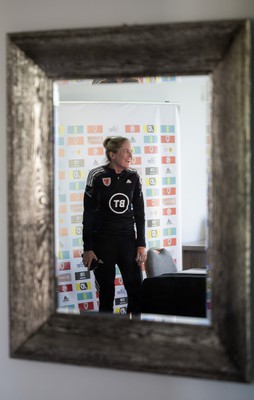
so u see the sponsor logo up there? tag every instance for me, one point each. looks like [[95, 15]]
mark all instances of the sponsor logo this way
[[168, 160], [77, 253], [61, 175], [76, 152], [136, 150], [76, 219], [66, 299], [121, 300], [81, 276], [84, 286], [169, 202], [76, 174], [121, 292], [94, 128], [169, 191], [64, 266], [152, 192], [62, 208], [152, 213], [168, 139], [76, 230], [150, 139], [119, 281], [119, 203], [153, 233], [63, 254], [154, 243], [65, 288], [167, 128], [169, 180], [149, 129], [152, 160], [132, 128], [63, 278], [76, 163], [95, 151], [114, 129], [128, 181], [151, 149], [121, 310], [61, 152], [61, 141], [152, 171], [95, 140], [76, 207], [168, 150], [80, 264], [75, 129], [153, 222], [76, 141], [106, 181], [61, 129], [62, 198], [77, 185], [169, 231], [77, 242], [136, 160], [169, 242], [169, 211], [152, 181], [85, 296], [76, 196], [88, 306], [153, 202]]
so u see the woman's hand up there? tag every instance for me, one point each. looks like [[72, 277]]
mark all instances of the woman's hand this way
[[88, 257], [141, 255]]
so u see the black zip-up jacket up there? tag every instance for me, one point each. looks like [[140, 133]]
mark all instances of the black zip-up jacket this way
[[113, 205]]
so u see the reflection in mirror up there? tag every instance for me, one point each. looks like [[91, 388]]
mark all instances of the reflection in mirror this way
[[167, 121]]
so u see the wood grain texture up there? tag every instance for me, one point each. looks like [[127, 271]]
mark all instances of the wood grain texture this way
[[191, 48], [221, 48], [230, 220], [31, 203]]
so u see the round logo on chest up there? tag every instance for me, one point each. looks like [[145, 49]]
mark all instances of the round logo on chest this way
[[119, 203]]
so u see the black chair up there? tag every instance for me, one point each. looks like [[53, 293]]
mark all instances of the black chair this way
[[182, 294], [168, 292]]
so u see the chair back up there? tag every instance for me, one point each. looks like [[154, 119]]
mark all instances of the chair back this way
[[158, 262]]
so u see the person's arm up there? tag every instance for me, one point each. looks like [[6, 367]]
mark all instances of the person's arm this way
[[139, 213], [88, 219], [88, 216]]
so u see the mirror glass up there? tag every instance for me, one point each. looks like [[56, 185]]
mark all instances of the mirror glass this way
[[168, 123]]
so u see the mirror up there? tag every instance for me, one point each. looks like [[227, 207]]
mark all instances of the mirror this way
[[113, 107], [35, 60]]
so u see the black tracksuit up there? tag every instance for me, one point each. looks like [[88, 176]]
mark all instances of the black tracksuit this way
[[113, 227]]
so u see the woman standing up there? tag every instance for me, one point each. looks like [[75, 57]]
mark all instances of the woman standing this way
[[114, 224]]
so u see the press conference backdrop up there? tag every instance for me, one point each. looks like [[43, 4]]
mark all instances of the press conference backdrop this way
[[80, 129]]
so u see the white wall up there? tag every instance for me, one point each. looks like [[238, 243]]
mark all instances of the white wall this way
[[192, 94], [26, 380]]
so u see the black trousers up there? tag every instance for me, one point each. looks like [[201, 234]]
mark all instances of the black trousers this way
[[120, 250]]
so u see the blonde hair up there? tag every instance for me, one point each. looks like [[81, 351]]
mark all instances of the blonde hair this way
[[113, 144]]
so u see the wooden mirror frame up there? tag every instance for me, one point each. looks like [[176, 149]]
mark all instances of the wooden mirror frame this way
[[37, 331]]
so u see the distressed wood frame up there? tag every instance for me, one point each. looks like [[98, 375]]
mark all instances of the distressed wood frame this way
[[35, 60]]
